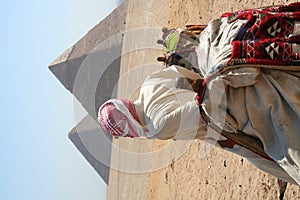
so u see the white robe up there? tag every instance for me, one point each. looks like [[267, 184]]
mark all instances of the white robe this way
[[169, 112], [261, 101]]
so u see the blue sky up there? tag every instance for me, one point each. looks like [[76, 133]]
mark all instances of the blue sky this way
[[38, 162]]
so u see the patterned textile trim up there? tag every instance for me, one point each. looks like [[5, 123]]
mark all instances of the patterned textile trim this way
[[267, 36]]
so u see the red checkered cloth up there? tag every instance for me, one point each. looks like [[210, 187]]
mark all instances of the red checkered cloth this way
[[118, 117]]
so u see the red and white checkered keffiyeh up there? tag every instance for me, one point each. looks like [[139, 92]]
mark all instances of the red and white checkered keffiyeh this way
[[118, 117]]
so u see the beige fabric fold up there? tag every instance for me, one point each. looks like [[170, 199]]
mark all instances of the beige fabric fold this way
[[261, 102]]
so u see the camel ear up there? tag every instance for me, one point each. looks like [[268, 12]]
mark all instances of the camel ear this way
[[161, 59]]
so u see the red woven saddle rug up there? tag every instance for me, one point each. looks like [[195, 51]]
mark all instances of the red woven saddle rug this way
[[270, 36]]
